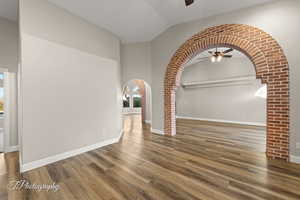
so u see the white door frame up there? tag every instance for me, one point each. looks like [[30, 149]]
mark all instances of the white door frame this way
[[6, 109]]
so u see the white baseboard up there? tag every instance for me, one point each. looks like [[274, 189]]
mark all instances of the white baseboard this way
[[12, 149], [295, 159], [132, 113], [46, 161], [148, 121], [121, 134], [222, 121], [156, 131]]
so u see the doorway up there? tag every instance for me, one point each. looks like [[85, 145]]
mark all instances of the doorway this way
[[220, 98], [136, 105]]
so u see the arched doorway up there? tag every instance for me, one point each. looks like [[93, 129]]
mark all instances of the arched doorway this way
[[271, 67], [137, 99]]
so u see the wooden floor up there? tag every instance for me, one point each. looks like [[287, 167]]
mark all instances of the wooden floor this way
[[250, 138], [202, 161], [9, 172], [3, 177]]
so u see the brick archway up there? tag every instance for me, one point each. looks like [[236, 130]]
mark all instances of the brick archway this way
[[271, 67]]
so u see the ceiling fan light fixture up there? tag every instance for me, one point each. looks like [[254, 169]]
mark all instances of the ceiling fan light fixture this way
[[213, 59], [219, 58]]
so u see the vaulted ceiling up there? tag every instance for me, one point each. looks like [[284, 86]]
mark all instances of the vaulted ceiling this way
[[143, 20], [137, 20]]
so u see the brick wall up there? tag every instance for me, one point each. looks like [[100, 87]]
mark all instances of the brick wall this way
[[271, 67]]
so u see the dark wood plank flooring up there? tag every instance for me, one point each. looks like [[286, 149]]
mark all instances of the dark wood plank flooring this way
[[9, 172], [3, 177], [252, 138], [201, 162]]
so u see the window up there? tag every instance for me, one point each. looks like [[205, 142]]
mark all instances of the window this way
[[137, 102], [126, 101], [262, 92]]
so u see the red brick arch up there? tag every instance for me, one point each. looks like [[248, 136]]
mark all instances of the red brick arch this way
[[271, 67]]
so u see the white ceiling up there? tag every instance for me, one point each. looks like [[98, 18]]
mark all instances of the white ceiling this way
[[143, 20], [9, 9]]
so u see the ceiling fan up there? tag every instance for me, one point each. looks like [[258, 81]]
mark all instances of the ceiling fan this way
[[189, 2], [218, 55]]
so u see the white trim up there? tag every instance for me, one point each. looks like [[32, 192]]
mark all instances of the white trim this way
[[240, 80], [148, 121], [222, 121], [46, 161], [6, 110], [120, 135], [12, 149], [132, 110], [156, 131], [20, 108], [2, 149], [295, 159]]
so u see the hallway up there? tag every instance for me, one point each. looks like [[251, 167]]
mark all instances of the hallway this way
[[188, 166]]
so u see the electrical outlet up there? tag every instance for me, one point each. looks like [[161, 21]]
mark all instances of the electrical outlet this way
[[298, 145]]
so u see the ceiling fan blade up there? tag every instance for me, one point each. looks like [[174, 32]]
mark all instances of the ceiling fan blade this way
[[189, 2], [227, 51], [227, 56]]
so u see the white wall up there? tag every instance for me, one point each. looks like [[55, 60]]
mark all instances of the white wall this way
[[45, 20], [236, 103], [70, 83], [148, 116], [13, 109], [136, 61], [136, 64], [278, 19], [9, 39]]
